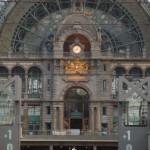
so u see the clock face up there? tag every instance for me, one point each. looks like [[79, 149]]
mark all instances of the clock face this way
[[76, 49]]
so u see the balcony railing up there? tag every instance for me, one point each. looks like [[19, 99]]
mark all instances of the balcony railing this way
[[37, 96], [34, 96], [75, 132], [67, 55]]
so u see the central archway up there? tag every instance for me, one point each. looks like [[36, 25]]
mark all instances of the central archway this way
[[76, 108]]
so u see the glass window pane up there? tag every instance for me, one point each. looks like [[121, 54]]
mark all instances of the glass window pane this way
[[135, 111]]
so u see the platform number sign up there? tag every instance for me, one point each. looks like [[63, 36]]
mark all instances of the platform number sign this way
[[8, 136], [10, 119], [128, 147], [127, 136], [133, 138], [132, 128], [8, 125]]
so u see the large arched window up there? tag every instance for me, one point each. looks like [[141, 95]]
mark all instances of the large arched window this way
[[76, 108], [147, 72], [119, 71], [34, 82], [3, 74], [21, 72], [135, 74], [135, 111]]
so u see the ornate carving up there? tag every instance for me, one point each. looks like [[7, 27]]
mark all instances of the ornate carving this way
[[76, 65]]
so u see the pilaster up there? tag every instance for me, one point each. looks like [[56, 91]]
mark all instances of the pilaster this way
[[25, 114], [92, 118], [61, 120], [54, 118], [98, 124]]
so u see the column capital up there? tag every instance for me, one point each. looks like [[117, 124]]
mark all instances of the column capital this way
[[98, 119], [54, 107], [61, 107], [91, 106]]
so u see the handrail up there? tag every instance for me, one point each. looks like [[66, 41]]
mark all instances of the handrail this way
[[68, 132], [96, 54]]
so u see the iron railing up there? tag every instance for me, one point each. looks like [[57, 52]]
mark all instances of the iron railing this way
[[69, 132], [66, 55]]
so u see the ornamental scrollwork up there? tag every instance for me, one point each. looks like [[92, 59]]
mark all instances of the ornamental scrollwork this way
[[76, 65]]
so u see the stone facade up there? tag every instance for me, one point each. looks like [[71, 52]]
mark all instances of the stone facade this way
[[47, 84]]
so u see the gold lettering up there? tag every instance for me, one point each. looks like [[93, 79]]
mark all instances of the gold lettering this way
[[76, 78]]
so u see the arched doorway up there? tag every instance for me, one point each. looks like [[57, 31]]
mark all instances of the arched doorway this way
[[76, 108]]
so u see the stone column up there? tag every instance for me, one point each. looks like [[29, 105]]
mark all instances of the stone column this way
[[25, 114], [92, 118], [148, 123], [54, 118], [94, 147], [50, 147], [42, 125], [69, 123], [144, 52], [61, 118], [26, 87], [45, 52], [127, 52], [9, 53], [98, 118], [43, 86], [111, 116], [9, 76]]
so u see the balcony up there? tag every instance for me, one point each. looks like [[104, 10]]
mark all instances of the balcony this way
[[35, 96], [32, 96], [26, 54], [69, 135]]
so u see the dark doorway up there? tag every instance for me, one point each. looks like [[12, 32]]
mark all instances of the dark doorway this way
[[76, 124], [76, 108]]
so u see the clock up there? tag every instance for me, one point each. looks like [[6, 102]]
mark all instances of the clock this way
[[76, 49]]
